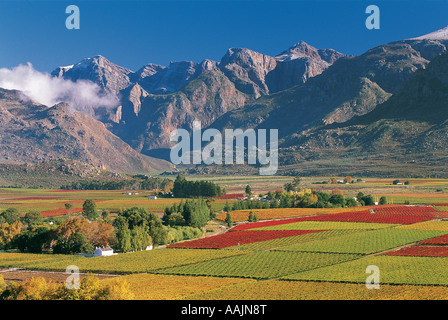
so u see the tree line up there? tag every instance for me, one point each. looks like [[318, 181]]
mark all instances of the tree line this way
[[182, 188], [139, 182]]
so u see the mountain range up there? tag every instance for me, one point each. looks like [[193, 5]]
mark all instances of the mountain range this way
[[386, 105]]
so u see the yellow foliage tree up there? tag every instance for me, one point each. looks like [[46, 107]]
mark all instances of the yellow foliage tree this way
[[90, 288], [8, 232]]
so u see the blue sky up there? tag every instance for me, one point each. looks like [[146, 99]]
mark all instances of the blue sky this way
[[135, 32]]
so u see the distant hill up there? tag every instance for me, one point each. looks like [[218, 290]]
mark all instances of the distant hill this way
[[31, 133]]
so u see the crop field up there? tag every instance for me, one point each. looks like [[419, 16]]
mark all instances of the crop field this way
[[283, 213], [367, 242], [140, 262], [419, 251], [393, 270], [52, 202], [262, 265], [442, 240], [168, 287], [306, 290], [230, 239], [291, 253], [327, 225]]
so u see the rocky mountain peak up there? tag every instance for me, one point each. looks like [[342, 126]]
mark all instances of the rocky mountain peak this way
[[441, 34]]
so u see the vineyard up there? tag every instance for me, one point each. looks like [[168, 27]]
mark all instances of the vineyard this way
[[290, 254]]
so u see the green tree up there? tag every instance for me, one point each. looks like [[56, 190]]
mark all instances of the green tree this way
[[196, 213], [248, 190], [351, 202], [10, 215], [32, 218], [227, 207], [34, 241], [383, 200], [368, 200], [251, 217], [228, 220], [89, 210], [123, 236], [337, 200]]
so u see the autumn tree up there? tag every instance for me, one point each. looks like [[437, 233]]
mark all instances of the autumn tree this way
[[8, 232]]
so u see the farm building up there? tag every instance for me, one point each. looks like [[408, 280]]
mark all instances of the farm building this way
[[153, 197], [101, 252]]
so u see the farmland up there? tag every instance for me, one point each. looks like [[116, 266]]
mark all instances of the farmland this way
[[290, 253]]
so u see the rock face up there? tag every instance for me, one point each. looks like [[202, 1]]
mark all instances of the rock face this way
[[32, 133], [156, 100], [350, 87], [98, 70], [412, 124]]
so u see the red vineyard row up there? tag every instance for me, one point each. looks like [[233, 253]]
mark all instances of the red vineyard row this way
[[231, 239], [359, 216], [417, 251], [442, 240]]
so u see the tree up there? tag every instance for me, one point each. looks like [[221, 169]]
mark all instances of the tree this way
[[251, 217], [296, 181], [139, 217], [32, 218], [89, 210], [351, 202], [139, 239], [90, 288], [76, 243], [196, 213], [396, 181], [383, 200], [337, 192], [10, 215], [337, 200], [228, 220], [248, 190], [68, 207], [34, 241], [8, 232], [105, 215], [368, 200], [226, 207], [123, 235], [71, 226]]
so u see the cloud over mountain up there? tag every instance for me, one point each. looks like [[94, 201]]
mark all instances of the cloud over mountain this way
[[82, 95]]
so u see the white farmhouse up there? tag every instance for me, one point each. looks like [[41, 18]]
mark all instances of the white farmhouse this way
[[102, 252]]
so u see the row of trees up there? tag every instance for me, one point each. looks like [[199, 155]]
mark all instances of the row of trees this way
[[182, 188], [308, 199]]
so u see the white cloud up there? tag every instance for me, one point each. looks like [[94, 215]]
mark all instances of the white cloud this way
[[43, 88]]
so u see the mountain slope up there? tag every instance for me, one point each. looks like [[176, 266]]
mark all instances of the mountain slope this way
[[410, 128], [32, 133], [350, 87], [156, 100]]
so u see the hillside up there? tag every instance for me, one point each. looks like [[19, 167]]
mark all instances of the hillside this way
[[410, 128], [31, 133]]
